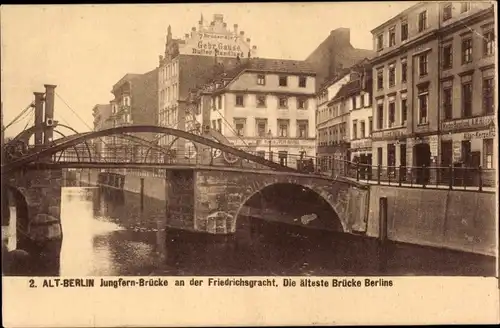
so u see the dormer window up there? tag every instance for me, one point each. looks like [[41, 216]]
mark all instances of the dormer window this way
[[261, 79], [283, 82]]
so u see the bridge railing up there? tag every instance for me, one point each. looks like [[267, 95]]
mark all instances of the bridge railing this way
[[453, 177], [213, 157]]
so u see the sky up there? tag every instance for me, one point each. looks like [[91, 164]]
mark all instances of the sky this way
[[85, 49]]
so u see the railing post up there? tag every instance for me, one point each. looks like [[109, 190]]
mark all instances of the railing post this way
[[480, 172], [142, 193], [451, 177], [424, 176], [383, 219], [378, 174], [357, 171], [400, 176]]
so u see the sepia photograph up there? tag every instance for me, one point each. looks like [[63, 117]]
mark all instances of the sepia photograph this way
[[264, 140]]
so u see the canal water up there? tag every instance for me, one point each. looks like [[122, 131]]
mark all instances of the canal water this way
[[106, 233]]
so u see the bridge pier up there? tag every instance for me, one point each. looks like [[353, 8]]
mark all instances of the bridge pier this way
[[38, 210]]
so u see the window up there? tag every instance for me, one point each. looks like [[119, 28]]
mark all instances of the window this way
[[370, 125], [379, 155], [466, 50], [219, 125], [362, 129], [423, 99], [380, 42], [240, 126], [283, 102], [261, 79], [488, 96], [448, 103], [422, 65], [446, 12], [380, 116], [380, 79], [239, 101], [302, 81], [302, 129], [422, 21], [447, 56], [488, 43], [392, 114], [261, 100], [354, 102], [219, 102], [283, 128], [301, 103], [261, 127], [404, 111], [392, 75], [488, 153], [355, 129], [404, 71], [464, 7], [261, 153], [283, 81], [404, 30], [392, 36], [214, 125], [467, 99]]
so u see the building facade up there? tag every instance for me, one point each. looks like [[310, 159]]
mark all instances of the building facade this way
[[467, 86], [409, 79], [337, 99], [334, 55], [265, 106], [134, 103], [188, 62], [102, 120]]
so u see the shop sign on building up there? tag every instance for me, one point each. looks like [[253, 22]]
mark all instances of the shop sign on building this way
[[475, 122], [388, 134], [486, 134], [360, 144]]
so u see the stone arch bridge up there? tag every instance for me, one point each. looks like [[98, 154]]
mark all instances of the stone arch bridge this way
[[200, 197]]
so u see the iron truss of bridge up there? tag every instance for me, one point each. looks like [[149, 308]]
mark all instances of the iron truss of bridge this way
[[131, 147]]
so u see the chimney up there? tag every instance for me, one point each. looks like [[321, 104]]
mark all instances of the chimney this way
[[49, 111], [242, 33], [248, 40], [38, 117], [235, 29], [193, 31]]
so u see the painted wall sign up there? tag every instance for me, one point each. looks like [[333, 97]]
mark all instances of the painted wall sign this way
[[210, 43], [475, 122]]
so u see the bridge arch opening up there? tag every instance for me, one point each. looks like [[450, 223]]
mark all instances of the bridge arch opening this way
[[18, 222], [289, 203]]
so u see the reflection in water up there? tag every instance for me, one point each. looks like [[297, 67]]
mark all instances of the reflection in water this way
[[106, 233]]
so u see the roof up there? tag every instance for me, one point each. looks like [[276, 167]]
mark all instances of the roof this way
[[352, 88], [412, 6], [126, 78], [256, 65]]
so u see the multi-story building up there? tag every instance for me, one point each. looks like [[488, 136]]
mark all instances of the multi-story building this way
[[467, 84], [189, 62], [409, 80], [336, 99], [102, 120], [266, 106], [134, 103], [334, 55]]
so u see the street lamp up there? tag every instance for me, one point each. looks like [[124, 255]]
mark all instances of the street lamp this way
[[270, 137]]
